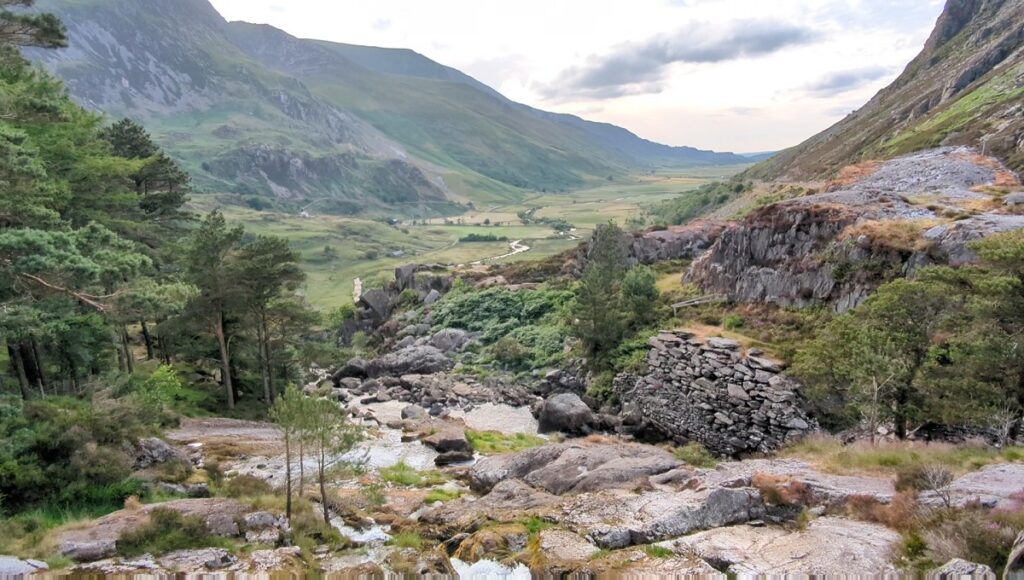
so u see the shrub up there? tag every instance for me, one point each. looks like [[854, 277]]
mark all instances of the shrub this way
[[406, 540], [782, 491], [695, 454], [509, 352], [246, 486], [166, 531], [733, 322]]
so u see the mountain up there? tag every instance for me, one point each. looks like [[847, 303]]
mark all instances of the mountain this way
[[965, 88], [253, 110]]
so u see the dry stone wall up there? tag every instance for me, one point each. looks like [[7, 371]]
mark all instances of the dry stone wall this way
[[710, 392]]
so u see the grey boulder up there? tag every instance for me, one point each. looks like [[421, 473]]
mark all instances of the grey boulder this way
[[412, 360], [567, 413]]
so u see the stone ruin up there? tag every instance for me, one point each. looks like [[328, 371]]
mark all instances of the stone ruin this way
[[711, 392]]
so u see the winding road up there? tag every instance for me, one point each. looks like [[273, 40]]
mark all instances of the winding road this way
[[517, 247]]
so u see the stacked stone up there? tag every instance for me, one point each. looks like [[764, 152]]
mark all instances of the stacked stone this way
[[712, 393]]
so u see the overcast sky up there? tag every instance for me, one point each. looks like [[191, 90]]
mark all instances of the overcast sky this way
[[737, 75]]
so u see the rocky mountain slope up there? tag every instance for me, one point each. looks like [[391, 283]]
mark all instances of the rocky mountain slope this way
[[838, 246], [251, 109], [965, 88]]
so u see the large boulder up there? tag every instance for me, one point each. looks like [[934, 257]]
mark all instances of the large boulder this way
[[153, 451], [354, 369], [412, 360], [567, 413], [450, 340]]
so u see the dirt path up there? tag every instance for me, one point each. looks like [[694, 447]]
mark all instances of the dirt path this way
[[357, 289], [517, 247]]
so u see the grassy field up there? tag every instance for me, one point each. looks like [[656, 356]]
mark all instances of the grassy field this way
[[335, 250]]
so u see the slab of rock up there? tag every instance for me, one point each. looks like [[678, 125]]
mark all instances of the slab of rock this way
[[575, 468], [992, 485], [826, 488], [412, 360], [509, 500], [565, 546], [829, 547], [567, 413], [617, 518], [11, 567]]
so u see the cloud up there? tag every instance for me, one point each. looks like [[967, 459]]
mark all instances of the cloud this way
[[641, 68], [381, 24], [277, 8], [838, 82]]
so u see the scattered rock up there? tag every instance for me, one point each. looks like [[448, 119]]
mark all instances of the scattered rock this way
[[414, 412]]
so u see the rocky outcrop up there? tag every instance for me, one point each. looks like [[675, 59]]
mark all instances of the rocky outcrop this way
[[837, 247], [375, 306], [708, 391], [1015, 562], [676, 242]]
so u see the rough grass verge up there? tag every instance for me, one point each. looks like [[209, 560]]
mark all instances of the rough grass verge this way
[[493, 442]]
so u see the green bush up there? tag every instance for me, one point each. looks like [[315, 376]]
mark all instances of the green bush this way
[[166, 531], [510, 352], [246, 486], [68, 452], [733, 322]]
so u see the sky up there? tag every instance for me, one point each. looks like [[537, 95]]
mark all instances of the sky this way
[[728, 75]]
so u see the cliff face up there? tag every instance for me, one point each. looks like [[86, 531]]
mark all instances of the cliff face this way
[[837, 247], [965, 88]]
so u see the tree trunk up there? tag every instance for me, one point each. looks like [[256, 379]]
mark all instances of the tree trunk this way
[[1018, 424], [302, 465], [129, 360], [37, 354], [150, 351], [268, 360], [288, 475], [900, 411], [30, 364], [322, 466], [225, 360], [261, 339], [14, 355]]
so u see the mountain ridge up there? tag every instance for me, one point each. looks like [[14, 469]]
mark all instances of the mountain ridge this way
[[251, 109], [966, 87]]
